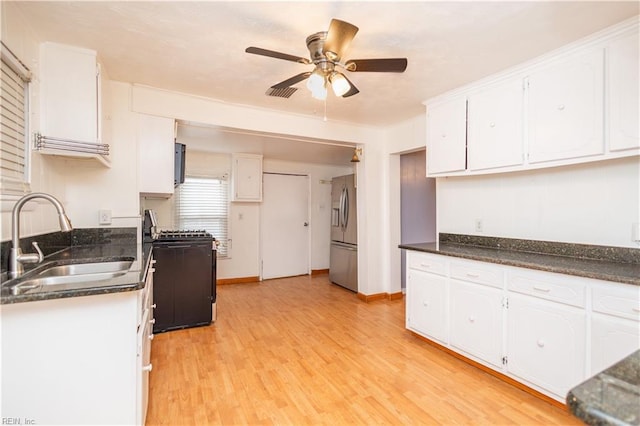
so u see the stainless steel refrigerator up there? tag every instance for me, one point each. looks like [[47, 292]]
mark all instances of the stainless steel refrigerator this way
[[343, 260]]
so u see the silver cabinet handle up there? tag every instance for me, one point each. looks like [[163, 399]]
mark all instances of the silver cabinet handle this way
[[147, 367], [151, 336], [152, 321]]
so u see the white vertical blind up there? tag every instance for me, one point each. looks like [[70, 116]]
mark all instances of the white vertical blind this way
[[13, 121], [203, 203]]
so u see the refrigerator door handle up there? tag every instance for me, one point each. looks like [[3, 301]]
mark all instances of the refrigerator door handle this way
[[341, 214], [345, 209]]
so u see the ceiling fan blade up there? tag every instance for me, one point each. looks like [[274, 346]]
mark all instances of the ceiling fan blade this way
[[377, 65], [338, 39], [352, 91], [291, 81], [277, 55]]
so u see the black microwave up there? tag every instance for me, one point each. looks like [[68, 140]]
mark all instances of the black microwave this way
[[181, 151]]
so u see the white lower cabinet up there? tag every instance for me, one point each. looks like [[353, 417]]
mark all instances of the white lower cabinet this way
[[611, 340], [546, 330], [145, 336], [546, 343], [427, 304], [76, 360], [476, 320], [615, 324]]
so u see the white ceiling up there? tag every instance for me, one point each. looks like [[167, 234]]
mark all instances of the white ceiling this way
[[198, 47]]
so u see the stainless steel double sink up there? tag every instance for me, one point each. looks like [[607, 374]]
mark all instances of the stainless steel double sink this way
[[71, 276]]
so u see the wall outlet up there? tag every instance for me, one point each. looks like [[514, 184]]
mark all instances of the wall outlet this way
[[478, 225], [104, 217]]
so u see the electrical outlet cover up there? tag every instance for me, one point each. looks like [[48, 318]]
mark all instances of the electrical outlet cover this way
[[104, 217]]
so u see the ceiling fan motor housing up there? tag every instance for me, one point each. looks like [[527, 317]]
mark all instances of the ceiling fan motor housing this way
[[315, 44]]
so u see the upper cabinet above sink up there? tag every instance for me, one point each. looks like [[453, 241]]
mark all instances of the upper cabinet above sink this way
[[575, 105], [70, 103]]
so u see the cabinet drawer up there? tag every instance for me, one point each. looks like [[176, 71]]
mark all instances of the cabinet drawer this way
[[617, 299], [546, 285], [477, 272], [427, 263]]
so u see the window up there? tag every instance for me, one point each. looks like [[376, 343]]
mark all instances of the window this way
[[14, 115], [203, 203]]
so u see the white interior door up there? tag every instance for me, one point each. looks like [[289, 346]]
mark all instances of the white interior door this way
[[285, 225]]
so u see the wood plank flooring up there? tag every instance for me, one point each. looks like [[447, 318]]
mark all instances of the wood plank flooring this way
[[302, 351]]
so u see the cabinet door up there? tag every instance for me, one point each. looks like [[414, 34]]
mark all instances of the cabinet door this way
[[623, 66], [156, 154], [247, 177], [611, 340], [447, 136], [546, 343], [495, 137], [476, 320], [565, 109], [69, 86], [427, 304]]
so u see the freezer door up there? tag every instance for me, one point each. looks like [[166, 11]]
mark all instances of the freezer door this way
[[343, 266]]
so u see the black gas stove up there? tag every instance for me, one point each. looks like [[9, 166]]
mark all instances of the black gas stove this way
[[184, 281], [183, 235]]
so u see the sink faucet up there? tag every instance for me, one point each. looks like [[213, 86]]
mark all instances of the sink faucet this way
[[16, 257]]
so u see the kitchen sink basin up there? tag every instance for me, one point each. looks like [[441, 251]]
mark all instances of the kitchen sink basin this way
[[74, 276]]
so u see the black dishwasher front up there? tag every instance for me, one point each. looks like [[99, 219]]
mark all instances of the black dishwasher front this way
[[182, 290]]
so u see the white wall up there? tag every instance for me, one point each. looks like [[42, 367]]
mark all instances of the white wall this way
[[37, 217], [407, 136], [91, 187], [593, 203]]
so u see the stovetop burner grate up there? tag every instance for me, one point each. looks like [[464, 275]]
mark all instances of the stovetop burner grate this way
[[184, 235]]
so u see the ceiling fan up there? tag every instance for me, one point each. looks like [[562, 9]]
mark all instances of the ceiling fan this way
[[326, 50]]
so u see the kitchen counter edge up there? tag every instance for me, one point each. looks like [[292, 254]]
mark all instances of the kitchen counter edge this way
[[627, 273], [611, 396], [106, 287]]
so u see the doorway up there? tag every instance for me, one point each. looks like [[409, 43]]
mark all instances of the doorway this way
[[417, 203], [285, 225]]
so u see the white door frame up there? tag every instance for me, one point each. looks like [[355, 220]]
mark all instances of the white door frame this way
[[262, 224]]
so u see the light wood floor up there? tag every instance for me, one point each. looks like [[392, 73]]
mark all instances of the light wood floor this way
[[302, 351]]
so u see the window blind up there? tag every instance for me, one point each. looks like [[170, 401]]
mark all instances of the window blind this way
[[13, 121], [203, 203]]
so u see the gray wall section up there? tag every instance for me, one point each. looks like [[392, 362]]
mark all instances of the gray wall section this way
[[417, 203]]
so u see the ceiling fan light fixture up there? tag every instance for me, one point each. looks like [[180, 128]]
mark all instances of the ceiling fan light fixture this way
[[315, 81], [319, 93], [339, 83]]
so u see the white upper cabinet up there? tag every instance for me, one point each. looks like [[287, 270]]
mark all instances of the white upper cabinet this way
[[246, 171], [623, 75], [495, 134], [69, 85], [577, 104], [447, 136], [566, 109], [156, 141]]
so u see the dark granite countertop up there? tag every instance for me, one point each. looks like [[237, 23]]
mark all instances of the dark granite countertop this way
[[130, 281], [611, 397], [603, 263]]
